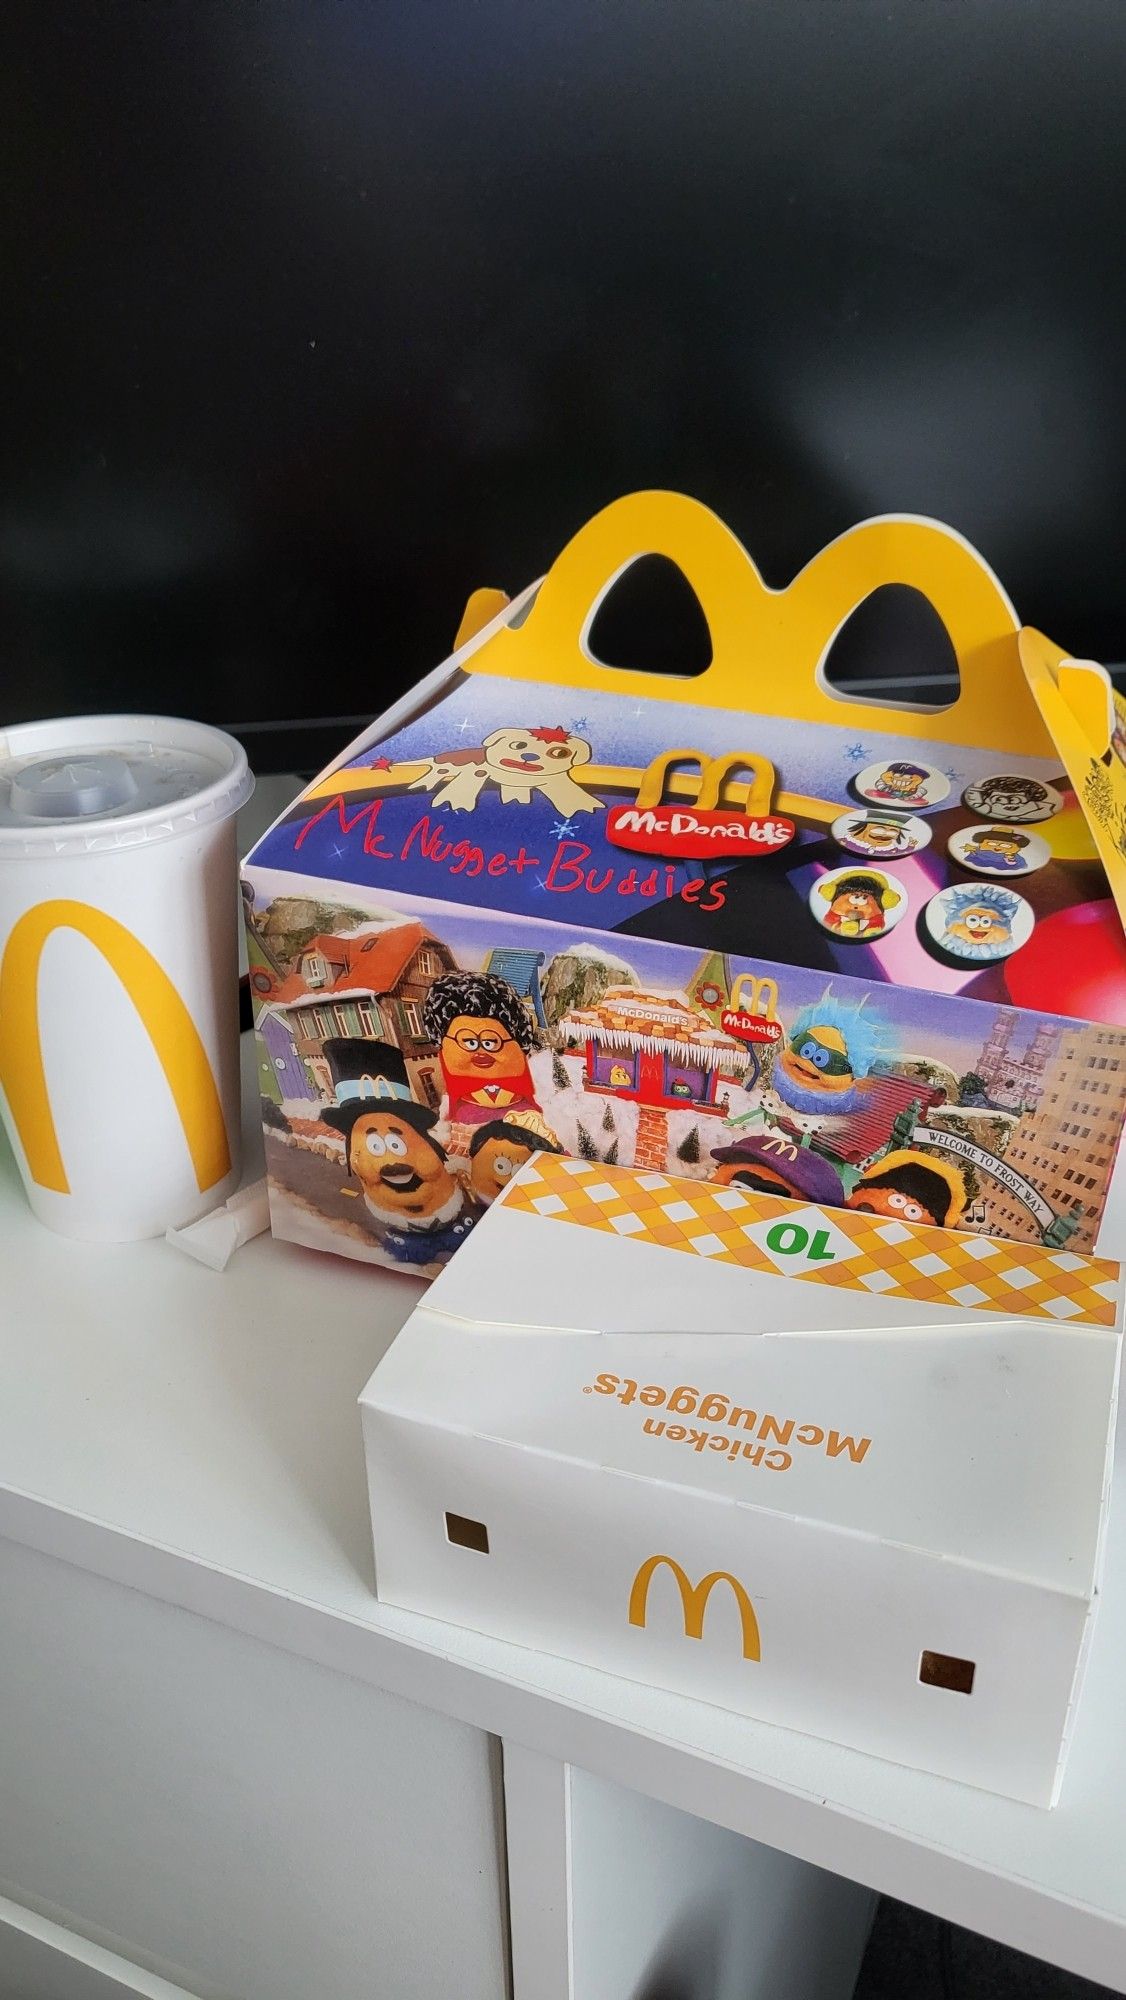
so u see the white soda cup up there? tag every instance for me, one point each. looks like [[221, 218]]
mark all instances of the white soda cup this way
[[119, 1054]]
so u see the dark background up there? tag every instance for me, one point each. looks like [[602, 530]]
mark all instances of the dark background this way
[[318, 313]]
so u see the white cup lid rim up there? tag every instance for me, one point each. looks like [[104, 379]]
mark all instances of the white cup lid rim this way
[[87, 784]]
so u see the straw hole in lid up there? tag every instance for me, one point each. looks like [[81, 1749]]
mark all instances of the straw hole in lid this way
[[652, 622], [893, 648]]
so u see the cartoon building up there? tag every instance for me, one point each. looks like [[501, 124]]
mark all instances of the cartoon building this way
[[282, 1074], [658, 1051], [1014, 1079], [522, 971], [371, 983], [1066, 1146]]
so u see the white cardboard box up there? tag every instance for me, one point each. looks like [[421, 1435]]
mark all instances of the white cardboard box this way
[[623, 1384]]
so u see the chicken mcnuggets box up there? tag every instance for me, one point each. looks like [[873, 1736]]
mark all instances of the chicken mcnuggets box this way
[[733, 927], [800, 1461]]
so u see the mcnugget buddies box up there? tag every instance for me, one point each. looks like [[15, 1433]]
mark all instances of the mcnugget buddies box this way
[[732, 927]]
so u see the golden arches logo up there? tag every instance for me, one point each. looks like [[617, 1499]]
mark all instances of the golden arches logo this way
[[162, 1013], [756, 994], [694, 1601]]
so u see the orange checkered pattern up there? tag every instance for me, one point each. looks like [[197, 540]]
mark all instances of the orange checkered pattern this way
[[877, 1255]]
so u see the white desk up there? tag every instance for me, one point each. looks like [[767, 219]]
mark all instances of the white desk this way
[[194, 1438]]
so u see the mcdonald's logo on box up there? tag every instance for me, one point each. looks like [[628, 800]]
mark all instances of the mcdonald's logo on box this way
[[709, 1496], [694, 1600]]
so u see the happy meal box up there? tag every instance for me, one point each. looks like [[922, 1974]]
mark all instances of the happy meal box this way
[[733, 926]]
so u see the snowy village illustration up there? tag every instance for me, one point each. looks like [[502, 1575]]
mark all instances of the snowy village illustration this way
[[406, 1075]]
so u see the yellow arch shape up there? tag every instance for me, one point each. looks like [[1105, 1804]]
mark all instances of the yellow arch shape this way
[[694, 1599], [768, 645], [169, 1026]]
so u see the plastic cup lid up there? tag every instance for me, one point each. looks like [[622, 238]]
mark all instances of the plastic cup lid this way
[[91, 784]]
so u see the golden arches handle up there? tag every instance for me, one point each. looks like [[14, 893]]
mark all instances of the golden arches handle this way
[[714, 773], [768, 646]]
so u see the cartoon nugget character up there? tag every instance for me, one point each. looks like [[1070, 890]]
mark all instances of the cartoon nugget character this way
[[908, 1186], [997, 848], [881, 834], [857, 903], [823, 1067], [417, 1206], [1011, 798], [903, 784], [979, 922], [517, 763], [769, 1163], [484, 1037], [498, 1151]]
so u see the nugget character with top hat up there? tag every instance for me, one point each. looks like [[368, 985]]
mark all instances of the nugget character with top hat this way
[[881, 835], [418, 1208]]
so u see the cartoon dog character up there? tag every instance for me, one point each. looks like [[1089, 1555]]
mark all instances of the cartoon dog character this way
[[517, 763], [418, 1208], [498, 1151]]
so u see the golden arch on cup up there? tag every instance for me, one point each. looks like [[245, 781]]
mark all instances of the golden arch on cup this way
[[162, 1013], [694, 1601]]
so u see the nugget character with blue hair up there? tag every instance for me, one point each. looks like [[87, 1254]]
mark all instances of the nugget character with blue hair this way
[[831, 1048], [979, 922]]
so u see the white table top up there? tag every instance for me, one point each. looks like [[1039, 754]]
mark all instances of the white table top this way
[[196, 1435]]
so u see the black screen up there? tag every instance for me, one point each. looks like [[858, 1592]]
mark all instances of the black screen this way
[[318, 313]]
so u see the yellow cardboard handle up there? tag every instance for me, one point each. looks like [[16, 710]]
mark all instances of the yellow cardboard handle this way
[[768, 646], [714, 771]]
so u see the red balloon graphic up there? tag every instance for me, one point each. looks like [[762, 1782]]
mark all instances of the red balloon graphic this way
[[1074, 963]]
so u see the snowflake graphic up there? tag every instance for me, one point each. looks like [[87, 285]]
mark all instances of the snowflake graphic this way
[[463, 725], [855, 752], [578, 725], [563, 829], [953, 775]]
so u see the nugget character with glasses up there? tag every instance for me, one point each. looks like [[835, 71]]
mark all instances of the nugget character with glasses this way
[[484, 1037]]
